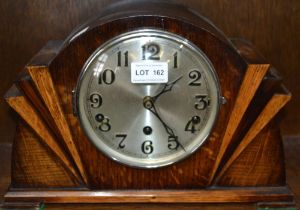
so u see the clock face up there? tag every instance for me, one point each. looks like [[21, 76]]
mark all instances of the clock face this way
[[148, 98]]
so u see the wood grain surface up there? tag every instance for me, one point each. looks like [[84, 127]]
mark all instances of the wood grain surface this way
[[26, 85], [276, 103], [216, 195], [28, 112], [43, 81], [292, 150], [256, 165], [152, 206], [252, 80], [47, 169]]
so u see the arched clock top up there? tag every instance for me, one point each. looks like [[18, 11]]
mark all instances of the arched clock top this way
[[89, 103], [228, 64]]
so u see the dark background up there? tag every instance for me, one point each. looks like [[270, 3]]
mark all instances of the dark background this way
[[273, 26]]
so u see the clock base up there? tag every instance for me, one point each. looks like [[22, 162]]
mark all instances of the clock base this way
[[262, 195]]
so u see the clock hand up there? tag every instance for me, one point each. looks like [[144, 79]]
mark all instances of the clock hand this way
[[149, 104], [167, 87]]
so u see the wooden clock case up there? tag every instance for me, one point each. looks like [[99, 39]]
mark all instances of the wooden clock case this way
[[242, 161]]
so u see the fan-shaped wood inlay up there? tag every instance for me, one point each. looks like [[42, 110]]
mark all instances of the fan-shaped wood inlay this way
[[42, 80], [25, 84], [276, 103], [251, 82], [25, 109]]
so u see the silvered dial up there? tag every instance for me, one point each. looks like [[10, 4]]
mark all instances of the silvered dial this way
[[147, 123]]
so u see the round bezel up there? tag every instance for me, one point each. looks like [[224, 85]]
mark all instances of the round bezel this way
[[146, 162]]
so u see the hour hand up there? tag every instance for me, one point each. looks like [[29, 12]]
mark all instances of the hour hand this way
[[167, 87]]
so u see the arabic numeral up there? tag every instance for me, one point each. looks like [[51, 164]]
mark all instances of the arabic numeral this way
[[107, 77], [150, 51], [175, 65], [121, 143], [147, 147], [104, 122], [96, 100], [195, 76], [173, 142], [202, 103], [125, 58], [191, 124]]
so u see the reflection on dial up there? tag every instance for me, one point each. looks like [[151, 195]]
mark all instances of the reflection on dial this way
[[148, 125]]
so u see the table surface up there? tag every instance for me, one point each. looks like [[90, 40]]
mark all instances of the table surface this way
[[292, 156]]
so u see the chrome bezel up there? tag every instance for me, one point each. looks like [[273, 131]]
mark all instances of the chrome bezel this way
[[113, 154]]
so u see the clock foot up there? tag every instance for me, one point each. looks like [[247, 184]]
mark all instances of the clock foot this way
[[22, 205], [277, 206]]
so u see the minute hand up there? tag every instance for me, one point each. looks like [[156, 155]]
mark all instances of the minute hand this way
[[167, 87], [154, 111], [148, 104]]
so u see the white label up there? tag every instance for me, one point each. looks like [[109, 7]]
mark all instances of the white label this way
[[149, 72]]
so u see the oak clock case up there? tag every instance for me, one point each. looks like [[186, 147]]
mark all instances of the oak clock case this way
[[141, 120], [168, 140]]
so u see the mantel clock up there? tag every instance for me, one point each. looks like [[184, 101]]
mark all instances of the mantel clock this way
[[152, 104]]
